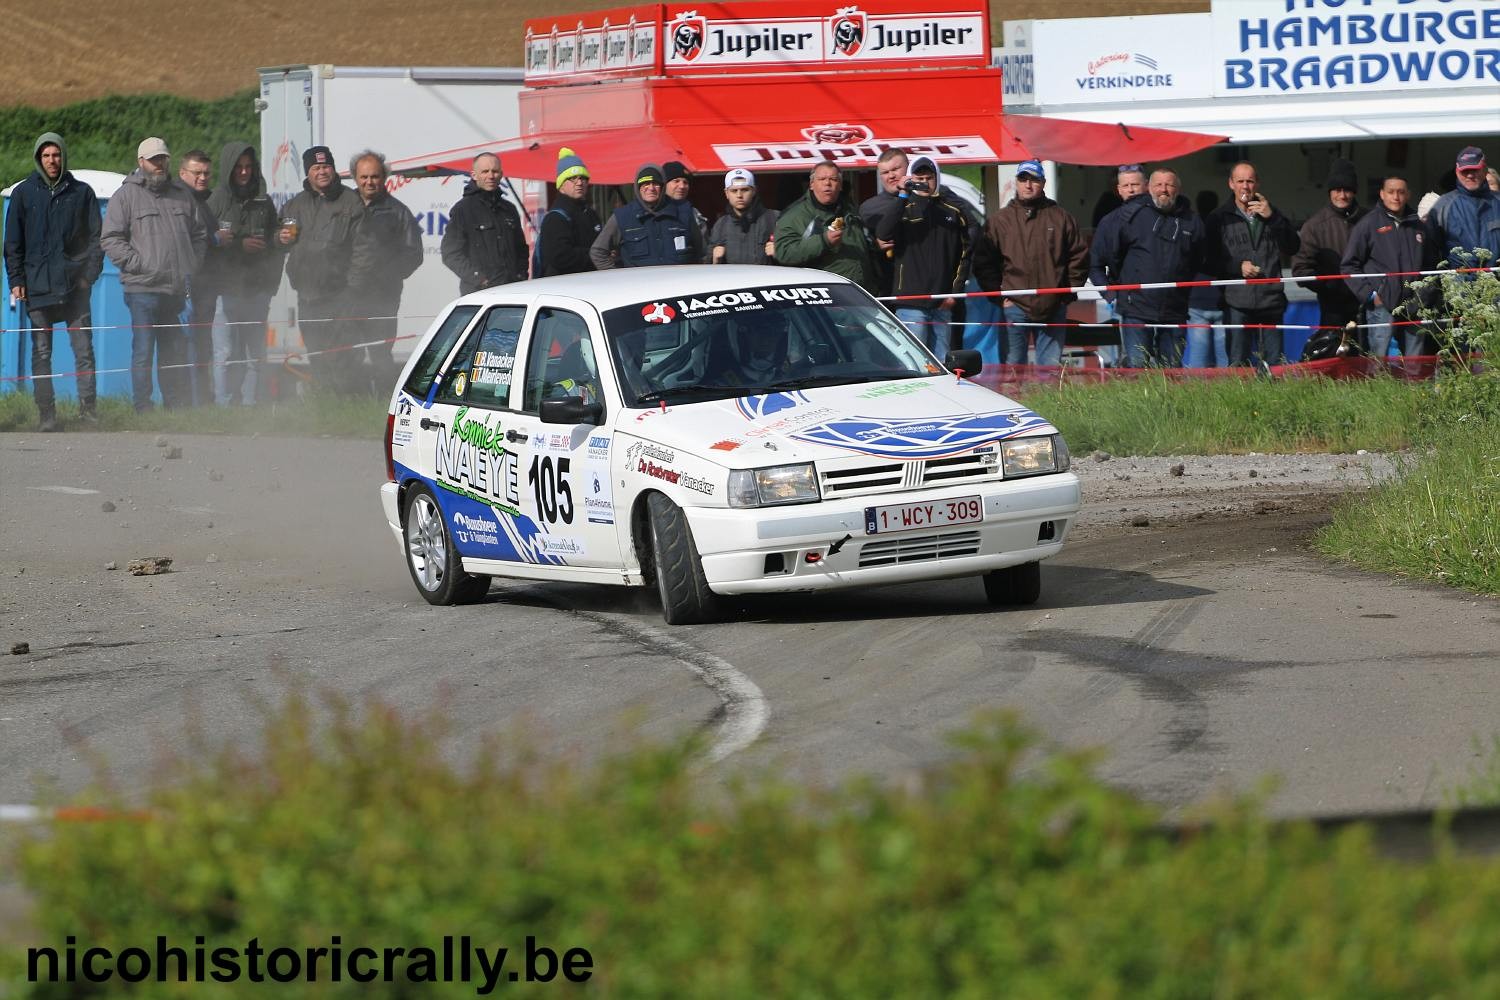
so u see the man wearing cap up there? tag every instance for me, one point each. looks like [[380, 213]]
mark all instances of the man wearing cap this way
[[154, 232], [931, 248], [1247, 238], [1468, 217], [822, 230], [745, 233], [648, 231], [678, 188], [571, 225], [52, 257], [1032, 243], [1324, 238], [326, 217], [484, 243]]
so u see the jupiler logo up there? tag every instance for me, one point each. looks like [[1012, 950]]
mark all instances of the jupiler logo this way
[[842, 134], [848, 25], [687, 35]]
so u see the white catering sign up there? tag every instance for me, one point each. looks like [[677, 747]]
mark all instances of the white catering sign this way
[[1278, 47], [1116, 60]]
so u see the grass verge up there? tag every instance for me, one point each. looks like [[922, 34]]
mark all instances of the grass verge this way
[[1154, 416], [1438, 520], [313, 416], [987, 878]]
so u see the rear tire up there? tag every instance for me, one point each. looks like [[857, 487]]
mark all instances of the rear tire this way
[[685, 597], [434, 563], [1014, 585]]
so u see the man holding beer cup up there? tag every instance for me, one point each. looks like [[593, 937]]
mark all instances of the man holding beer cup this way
[[1248, 236], [318, 226]]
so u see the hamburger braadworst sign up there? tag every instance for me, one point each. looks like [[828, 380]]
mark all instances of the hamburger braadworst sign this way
[[758, 37]]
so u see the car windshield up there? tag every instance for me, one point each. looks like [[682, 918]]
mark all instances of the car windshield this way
[[749, 341]]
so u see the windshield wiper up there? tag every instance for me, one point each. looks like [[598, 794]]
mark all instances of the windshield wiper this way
[[809, 381], [680, 392]]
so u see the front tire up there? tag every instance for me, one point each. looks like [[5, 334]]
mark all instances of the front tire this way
[[1014, 585], [685, 597], [430, 556]]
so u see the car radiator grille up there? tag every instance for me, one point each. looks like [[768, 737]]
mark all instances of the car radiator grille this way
[[860, 477], [922, 548]]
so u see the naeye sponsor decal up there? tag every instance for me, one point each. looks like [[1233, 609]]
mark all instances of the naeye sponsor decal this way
[[932, 437], [897, 389], [472, 461], [755, 407]]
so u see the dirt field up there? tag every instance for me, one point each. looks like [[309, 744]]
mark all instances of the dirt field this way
[[212, 50]]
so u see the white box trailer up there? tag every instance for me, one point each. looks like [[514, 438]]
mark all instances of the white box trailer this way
[[399, 111]]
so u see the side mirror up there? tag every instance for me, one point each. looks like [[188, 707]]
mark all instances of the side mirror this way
[[570, 410], [970, 362]]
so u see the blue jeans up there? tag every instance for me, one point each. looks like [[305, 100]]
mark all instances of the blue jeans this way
[[1264, 344], [1205, 346], [930, 324], [155, 330], [1414, 340], [240, 351], [1049, 340], [1154, 346]]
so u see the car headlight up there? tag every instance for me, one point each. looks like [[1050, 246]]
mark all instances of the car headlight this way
[[1034, 456], [780, 484]]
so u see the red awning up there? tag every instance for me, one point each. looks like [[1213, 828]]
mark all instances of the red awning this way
[[788, 123]]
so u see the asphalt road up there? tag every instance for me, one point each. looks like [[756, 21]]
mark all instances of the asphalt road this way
[[1202, 653]]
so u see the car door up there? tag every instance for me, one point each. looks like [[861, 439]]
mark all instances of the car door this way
[[565, 481], [472, 453]]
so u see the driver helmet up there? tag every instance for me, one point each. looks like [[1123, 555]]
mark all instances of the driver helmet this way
[[760, 341]]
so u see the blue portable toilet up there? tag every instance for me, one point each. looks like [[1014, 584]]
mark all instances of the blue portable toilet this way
[[110, 317]]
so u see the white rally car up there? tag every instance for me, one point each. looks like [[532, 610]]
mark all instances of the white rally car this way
[[710, 431]]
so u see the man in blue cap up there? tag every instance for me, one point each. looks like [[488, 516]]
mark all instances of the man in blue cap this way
[[1033, 242]]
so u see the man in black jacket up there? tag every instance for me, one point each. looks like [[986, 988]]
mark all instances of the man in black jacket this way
[[1247, 238], [932, 244], [484, 244], [325, 216], [1389, 239], [387, 251], [196, 171], [571, 225], [52, 258], [1324, 237], [244, 267]]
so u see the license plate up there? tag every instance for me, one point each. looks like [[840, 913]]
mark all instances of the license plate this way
[[931, 514]]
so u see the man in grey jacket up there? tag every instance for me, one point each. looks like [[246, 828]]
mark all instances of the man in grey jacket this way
[[744, 233], [155, 234]]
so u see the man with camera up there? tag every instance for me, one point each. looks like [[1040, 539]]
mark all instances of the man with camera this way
[[931, 246], [1247, 238]]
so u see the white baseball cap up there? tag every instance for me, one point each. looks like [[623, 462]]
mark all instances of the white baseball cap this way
[[739, 177], [151, 148]]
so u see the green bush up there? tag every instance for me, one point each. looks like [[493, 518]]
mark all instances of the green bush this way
[[103, 134], [1004, 872]]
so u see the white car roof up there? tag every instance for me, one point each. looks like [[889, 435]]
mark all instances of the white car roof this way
[[628, 285]]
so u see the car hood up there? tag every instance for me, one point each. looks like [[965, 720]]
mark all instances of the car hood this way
[[905, 420]]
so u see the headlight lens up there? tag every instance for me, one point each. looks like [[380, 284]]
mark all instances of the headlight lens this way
[[780, 484], [1033, 456]]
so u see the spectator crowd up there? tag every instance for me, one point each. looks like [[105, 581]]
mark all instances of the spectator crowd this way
[[187, 247]]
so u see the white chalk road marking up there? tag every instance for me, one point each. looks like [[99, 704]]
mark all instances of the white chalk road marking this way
[[70, 490]]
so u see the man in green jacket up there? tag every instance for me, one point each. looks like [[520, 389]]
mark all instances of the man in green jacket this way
[[822, 229]]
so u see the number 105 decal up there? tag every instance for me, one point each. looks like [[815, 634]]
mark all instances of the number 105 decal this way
[[554, 497]]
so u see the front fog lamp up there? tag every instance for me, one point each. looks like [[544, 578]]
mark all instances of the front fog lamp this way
[[779, 484], [1032, 456]]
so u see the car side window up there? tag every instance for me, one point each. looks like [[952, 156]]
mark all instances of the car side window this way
[[425, 370], [481, 371], [560, 362]]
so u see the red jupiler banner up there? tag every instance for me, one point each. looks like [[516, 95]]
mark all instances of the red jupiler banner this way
[[766, 36]]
